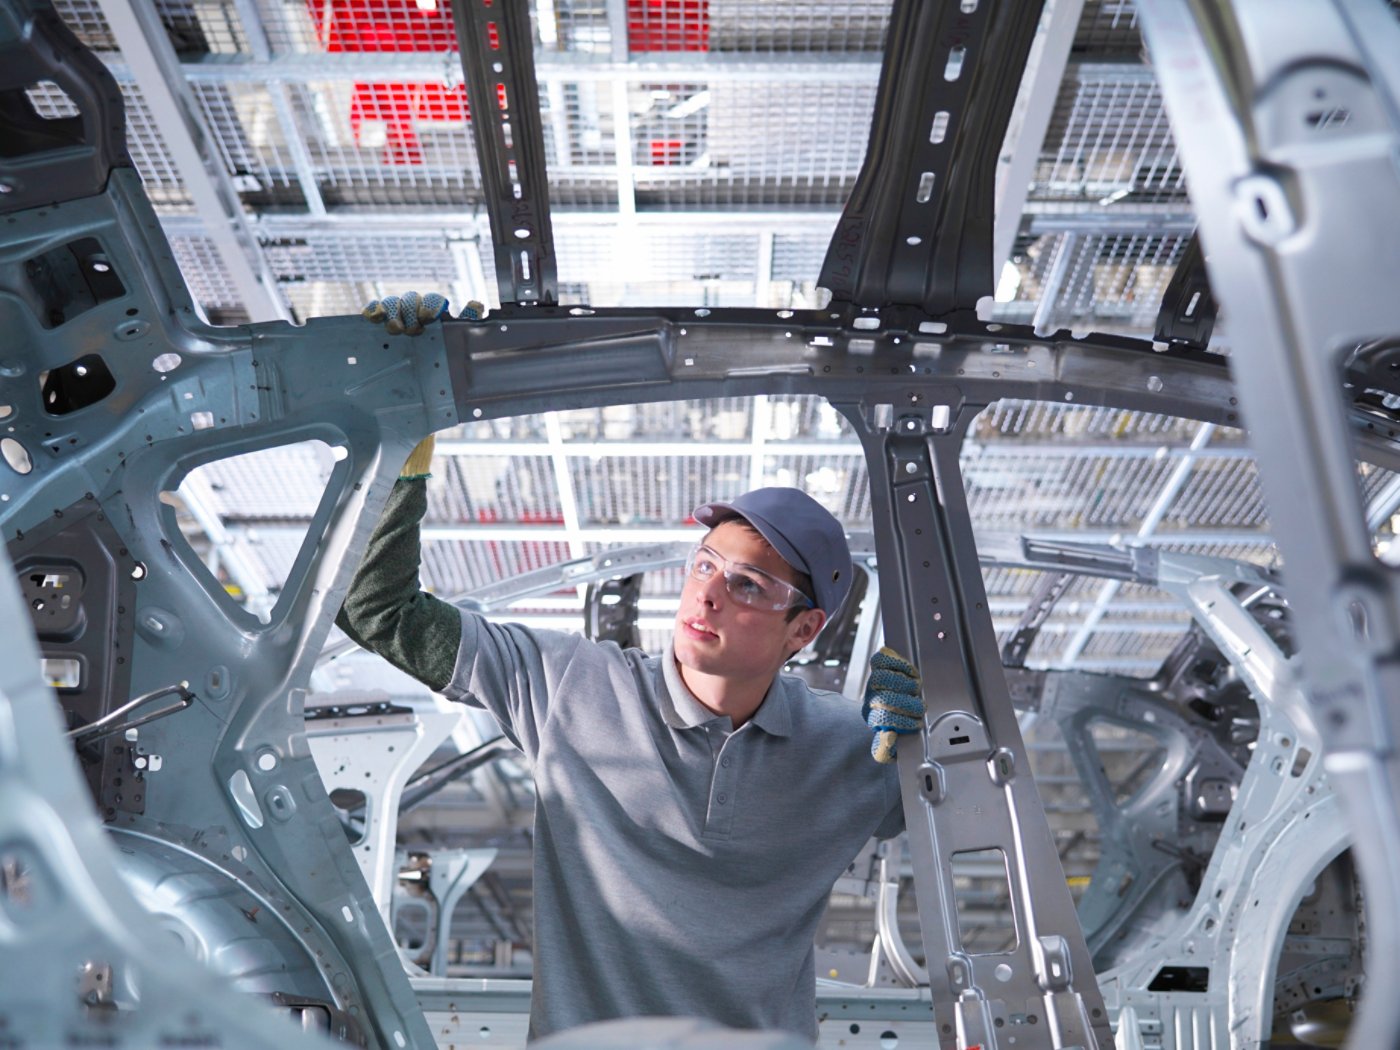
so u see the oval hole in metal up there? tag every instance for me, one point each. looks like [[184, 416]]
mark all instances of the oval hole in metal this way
[[16, 455], [1359, 619]]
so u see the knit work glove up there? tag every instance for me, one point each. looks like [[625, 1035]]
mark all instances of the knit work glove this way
[[894, 704], [419, 460], [407, 314]]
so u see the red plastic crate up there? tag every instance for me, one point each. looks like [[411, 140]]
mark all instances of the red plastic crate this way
[[668, 25], [401, 107], [382, 25]]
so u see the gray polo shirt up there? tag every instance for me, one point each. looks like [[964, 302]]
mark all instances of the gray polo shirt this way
[[680, 866]]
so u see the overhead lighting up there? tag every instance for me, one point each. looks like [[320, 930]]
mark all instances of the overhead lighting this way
[[427, 5], [1009, 284], [548, 23], [1116, 195]]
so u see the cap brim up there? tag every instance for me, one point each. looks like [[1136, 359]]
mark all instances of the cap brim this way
[[712, 514]]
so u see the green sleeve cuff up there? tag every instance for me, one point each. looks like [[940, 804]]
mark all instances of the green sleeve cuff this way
[[386, 611]]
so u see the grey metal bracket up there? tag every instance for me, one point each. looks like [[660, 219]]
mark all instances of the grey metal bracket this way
[[262, 820], [1282, 830], [79, 949], [968, 788], [1188, 312], [498, 60], [48, 161], [1038, 609], [917, 228], [527, 359], [1288, 124]]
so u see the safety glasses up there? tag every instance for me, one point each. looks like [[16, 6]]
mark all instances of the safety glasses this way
[[744, 583]]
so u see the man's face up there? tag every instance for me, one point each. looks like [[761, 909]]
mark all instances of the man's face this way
[[716, 635]]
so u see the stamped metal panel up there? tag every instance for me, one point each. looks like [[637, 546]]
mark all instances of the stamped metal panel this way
[[498, 60], [1288, 121], [968, 789], [1281, 831], [75, 944], [54, 156], [236, 789], [917, 229]]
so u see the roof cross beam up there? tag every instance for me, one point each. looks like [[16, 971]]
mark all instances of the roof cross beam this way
[[498, 62]]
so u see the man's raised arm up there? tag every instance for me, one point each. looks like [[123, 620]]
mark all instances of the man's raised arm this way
[[385, 611]]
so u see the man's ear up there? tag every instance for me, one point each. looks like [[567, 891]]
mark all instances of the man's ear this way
[[805, 627]]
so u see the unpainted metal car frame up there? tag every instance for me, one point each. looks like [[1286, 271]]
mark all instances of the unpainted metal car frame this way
[[116, 391]]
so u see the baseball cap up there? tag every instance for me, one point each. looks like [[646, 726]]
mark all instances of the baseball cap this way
[[801, 530]]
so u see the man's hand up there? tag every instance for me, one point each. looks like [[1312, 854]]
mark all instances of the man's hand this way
[[894, 704], [407, 314]]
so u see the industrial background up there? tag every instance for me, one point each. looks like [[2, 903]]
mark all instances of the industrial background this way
[[306, 156]]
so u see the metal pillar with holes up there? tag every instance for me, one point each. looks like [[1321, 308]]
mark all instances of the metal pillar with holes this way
[[968, 788]]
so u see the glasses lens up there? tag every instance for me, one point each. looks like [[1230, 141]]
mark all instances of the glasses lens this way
[[701, 564], [745, 585], [752, 588]]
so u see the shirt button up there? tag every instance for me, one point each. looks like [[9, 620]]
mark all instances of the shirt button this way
[[721, 799], [724, 761]]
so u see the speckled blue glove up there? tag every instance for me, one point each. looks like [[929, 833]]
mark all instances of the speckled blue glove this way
[[407, 314], [894, 704]]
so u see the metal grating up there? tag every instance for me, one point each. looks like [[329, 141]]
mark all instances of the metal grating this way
[[245, 128], [1143, 626], [751, 143], [489, 489], [308, 299], [211, 288], [508, 428], [1107, 28], [271, 551], [799, 26], [579, 27], [1044, 420], [652, 490], [1008, 587], [1127, 651], [797, 416], [50, 101], [89, 25], [798, 257], [1010, 489], [389, 144], [1109, 141], [1219, 494], [840, 484], [196, 27], [199, 27], [150, 155], [580, 143], [701, 420], [452, 567], [357, 26], [274, 485], [1102, 282], [385, 257], [652, 256], [711, 292]]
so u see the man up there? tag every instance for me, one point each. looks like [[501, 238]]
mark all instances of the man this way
[[692, 810]]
